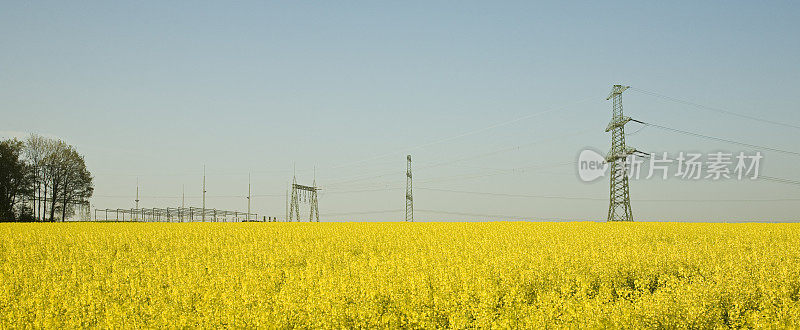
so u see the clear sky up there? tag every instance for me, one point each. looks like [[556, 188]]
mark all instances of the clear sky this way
[[156, 90]]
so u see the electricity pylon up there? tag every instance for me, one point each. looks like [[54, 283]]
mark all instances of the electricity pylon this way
[[307, 194], [314, 201], [286, 218], [137, 192], [409, 192], [204, 193], [619, 207], [248, 196]]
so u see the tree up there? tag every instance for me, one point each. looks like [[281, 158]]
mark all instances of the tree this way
[[60, 178], [37, 149], [77, 182], [54, 172], [15, 179]]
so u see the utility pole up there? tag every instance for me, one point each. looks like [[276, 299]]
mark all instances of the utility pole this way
[[183, 196], [204, 193], [248, 197], [619, 207], [137, 196], [409, 192], [137, 192]]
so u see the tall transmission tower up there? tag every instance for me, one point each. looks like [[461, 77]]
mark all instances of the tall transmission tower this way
[[409, 192], [306, 194], [619, 207]]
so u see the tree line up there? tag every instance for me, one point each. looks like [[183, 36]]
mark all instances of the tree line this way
[[42, 179]]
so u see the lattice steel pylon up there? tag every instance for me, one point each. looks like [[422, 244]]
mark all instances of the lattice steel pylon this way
[[137, 192], [307, 194], [619, 207], [409, 192]]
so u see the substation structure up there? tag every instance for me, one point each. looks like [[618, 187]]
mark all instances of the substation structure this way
[[307, 194], [177, 214]]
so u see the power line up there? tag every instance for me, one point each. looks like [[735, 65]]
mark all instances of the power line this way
[[362, 213], [497, 216], [446, 139], [511, 195], [780, 180], [243, 196], [186, 173], [179, 197], [457, 160], [603, 199], [268, 195], [392, 172], [362, 190], [703, 107], [513, 148], [468, 133], [481, 174], [708, 137], [760, 177]]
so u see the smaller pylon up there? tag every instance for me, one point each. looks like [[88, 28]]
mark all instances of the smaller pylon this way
[[409, 192], [137, 192], [248, 197], [314, 215], [204, 193]]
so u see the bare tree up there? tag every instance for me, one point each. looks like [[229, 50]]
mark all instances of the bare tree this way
[[37, 149], [54, 172]]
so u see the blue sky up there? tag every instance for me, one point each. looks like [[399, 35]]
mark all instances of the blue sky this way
[[155, 90]]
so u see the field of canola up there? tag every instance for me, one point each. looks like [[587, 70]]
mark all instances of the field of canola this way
[[416, 275]]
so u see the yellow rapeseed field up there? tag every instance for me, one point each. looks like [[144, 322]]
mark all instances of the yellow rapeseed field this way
[[391, 275]]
